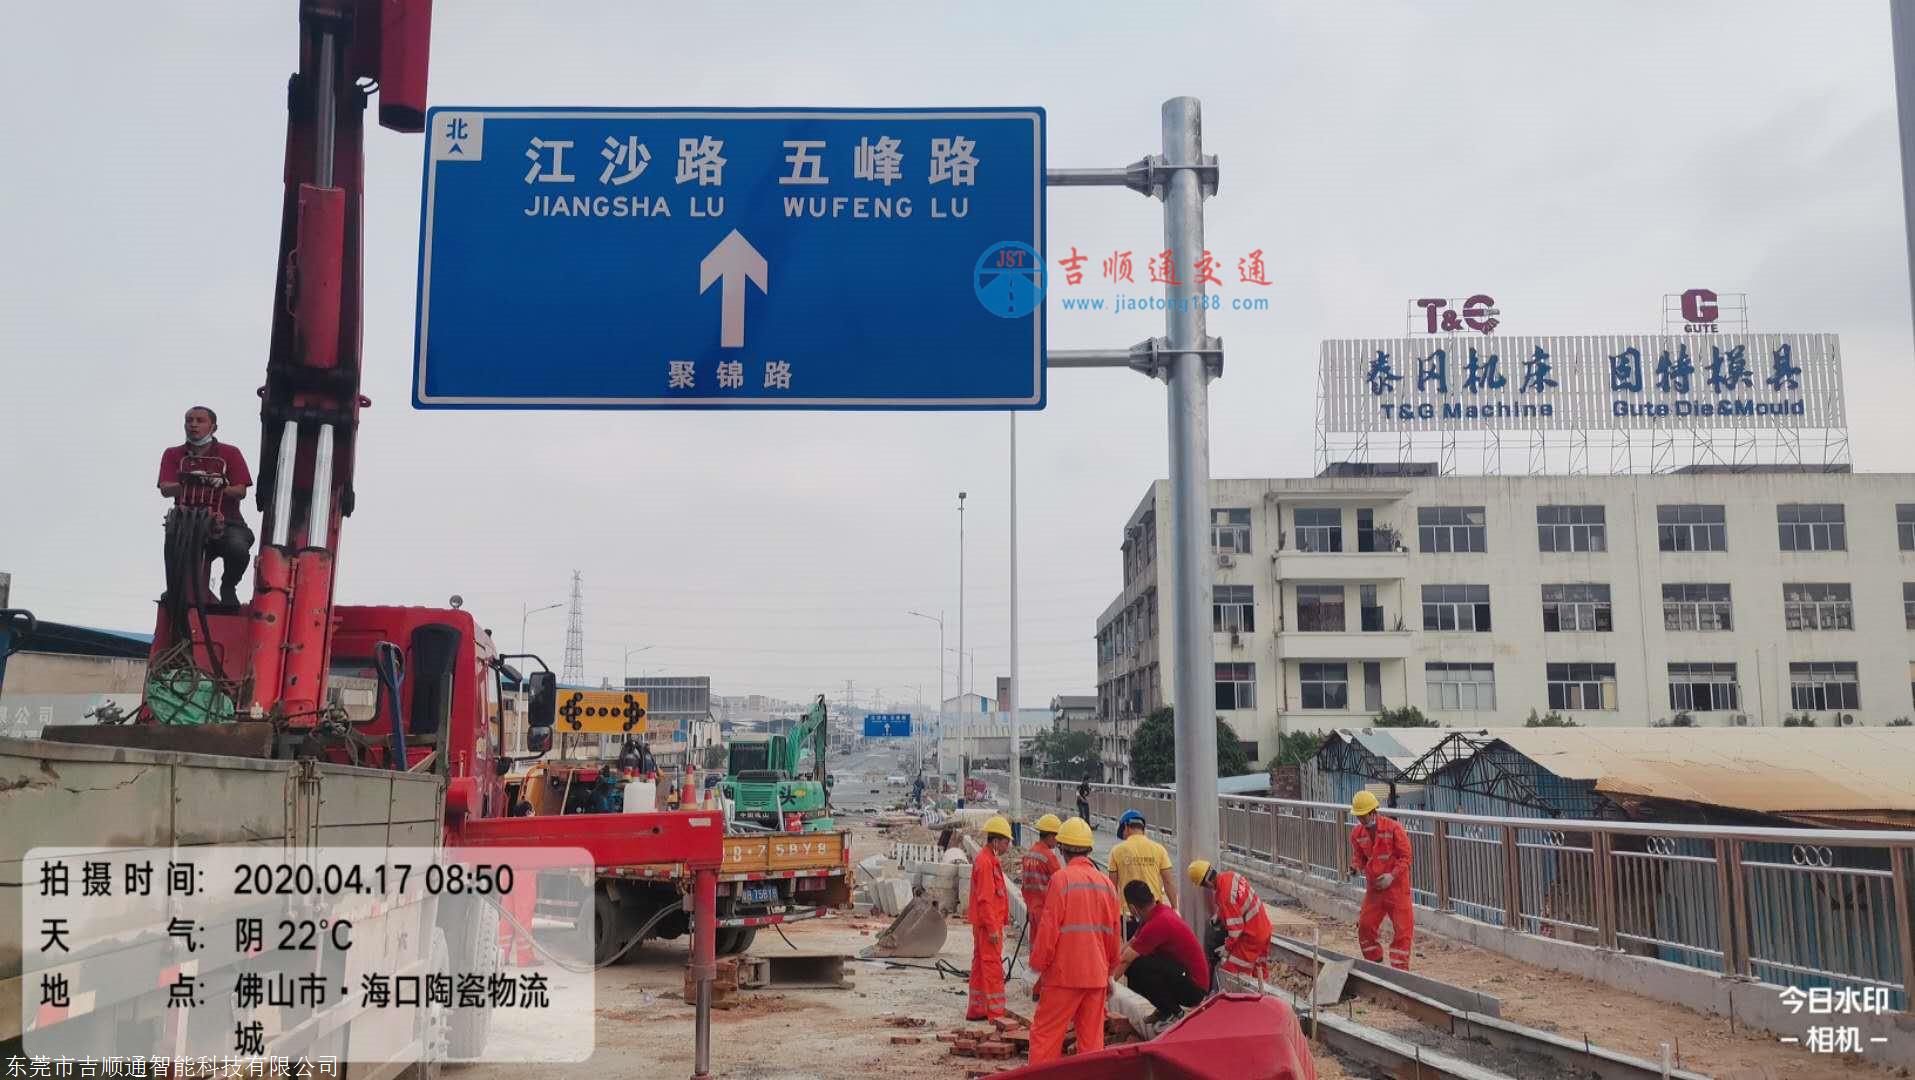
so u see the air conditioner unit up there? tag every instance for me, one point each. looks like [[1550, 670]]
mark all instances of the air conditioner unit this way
[[1740, 719], [1226, 560], [1236, 640]]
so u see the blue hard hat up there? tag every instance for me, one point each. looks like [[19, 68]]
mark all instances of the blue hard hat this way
[[1129, 818]]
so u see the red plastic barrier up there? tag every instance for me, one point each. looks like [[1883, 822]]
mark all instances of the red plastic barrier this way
[[1229, 1037]]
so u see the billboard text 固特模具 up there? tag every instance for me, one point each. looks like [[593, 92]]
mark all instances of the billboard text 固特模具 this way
[[1588, 382]]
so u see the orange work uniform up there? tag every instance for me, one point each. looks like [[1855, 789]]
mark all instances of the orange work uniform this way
[[1246, 925], [1042, 861], [990, 913], [1077, 946], [1386, 851]]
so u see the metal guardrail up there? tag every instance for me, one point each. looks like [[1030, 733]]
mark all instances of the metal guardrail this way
[[1796, 907]]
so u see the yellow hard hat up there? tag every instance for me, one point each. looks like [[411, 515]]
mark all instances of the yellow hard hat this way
[[1075, 833], [1364, 803], [997, 826], [1048, 824], [1199, 869]]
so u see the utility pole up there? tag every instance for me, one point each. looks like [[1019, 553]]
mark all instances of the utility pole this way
[[1901, 32], [1017, 768], [964, 757], [1186, 358], [1190, 572]]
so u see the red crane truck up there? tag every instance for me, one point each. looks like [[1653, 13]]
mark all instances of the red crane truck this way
[[227, 683]]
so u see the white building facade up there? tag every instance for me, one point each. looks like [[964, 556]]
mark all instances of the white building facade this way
[[1705, 596]]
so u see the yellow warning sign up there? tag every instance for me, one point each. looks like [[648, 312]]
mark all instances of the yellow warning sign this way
[[603, 712]]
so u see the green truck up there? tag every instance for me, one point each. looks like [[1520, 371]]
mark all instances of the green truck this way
[[769, 778]]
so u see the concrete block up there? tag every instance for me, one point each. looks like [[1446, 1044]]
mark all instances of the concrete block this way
[[891, 895]]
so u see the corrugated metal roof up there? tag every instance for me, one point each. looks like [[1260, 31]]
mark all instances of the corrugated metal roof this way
[[1765, 770], [1248, 784], [1399, 746]]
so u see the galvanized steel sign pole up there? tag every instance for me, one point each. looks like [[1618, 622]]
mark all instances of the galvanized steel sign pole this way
[[1186, 358]]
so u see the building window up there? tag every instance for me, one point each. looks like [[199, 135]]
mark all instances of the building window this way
[[1236, 686], [1820, 685], [1233, 608], [1442, 529], [1696, 607], [1319, 529], [1703, 688], [1818, 606], [1325, 686], [1577, 607], [1812, 527], [1320, 607], [1582, 686], [1691, 528], [1571, 528], [1905, 525], [1908, 604], [1230, 530], [1456, 607], [1371, 611], [1370, 536], [1470, 687]]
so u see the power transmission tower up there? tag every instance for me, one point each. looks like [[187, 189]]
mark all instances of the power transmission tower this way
[[575, 634]]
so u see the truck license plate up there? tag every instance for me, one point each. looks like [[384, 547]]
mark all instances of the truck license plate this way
[[760, 894]]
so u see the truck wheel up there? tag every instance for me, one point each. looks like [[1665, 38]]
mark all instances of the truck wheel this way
[[473, 935], [614, 924], [734, 940]]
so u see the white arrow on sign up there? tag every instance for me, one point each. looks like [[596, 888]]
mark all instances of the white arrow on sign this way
[[734, 261]]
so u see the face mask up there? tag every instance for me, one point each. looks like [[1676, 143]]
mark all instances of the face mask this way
[[202, 440]]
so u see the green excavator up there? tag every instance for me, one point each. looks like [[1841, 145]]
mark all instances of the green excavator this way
[[780, 781]]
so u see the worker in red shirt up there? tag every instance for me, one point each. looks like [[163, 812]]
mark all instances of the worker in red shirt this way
[[1162, 960], [1380, 851], [990, 913], [1246, 925], [203, 468], [1076, 949]]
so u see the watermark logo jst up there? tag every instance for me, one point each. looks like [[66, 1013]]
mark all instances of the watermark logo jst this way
[[1011, 279]]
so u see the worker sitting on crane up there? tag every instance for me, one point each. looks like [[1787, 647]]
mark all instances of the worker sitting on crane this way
[[203, 472]]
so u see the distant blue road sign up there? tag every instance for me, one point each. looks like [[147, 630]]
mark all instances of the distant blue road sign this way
[[732, 258], [887, 725]]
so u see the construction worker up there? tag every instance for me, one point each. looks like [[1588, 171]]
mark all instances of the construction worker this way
[[1246, 925], [205, 463], [1139, 858], [1076, 949], [1380, 851], [1162, 961], [1039, 864], [990, 913]]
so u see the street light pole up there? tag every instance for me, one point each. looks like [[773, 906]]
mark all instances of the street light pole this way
[[939, 619], [525, 614], [629, 653], [964, 759]]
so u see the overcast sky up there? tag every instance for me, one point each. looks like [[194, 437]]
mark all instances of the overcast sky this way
[[1574, 162]]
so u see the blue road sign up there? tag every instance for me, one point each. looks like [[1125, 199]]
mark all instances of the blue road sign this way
[[887, 725], [732, 258]]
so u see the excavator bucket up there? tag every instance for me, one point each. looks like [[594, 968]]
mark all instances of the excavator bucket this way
[[918, 931]]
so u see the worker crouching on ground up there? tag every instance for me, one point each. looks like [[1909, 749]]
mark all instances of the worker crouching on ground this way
[[1139, 858], [1246, 925], [1075, 951], [1380, 851], [990, 913], [1162, 961]]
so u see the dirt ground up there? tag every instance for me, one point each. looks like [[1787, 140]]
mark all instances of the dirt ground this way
[[644, 1027]]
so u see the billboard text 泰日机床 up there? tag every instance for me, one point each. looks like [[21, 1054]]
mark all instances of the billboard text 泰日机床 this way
[[1589, 382]]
